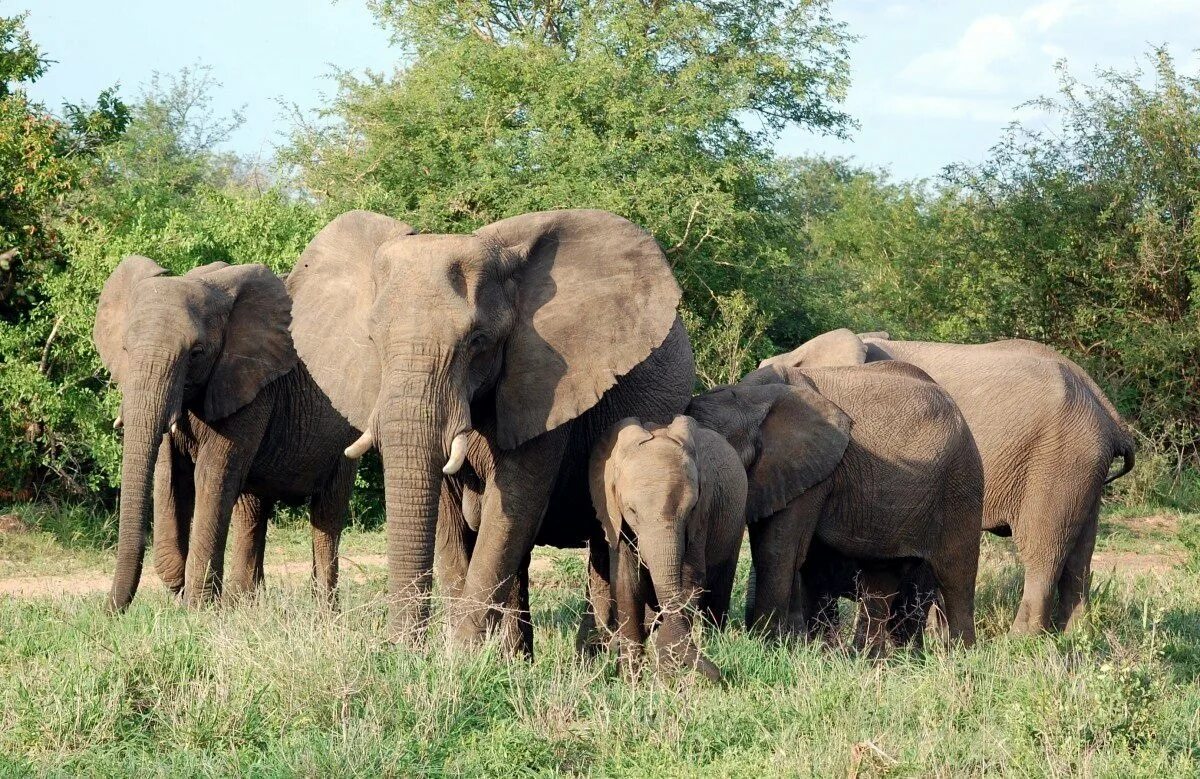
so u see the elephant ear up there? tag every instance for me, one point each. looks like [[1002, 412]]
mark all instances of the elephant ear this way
[[257, 347], [828, 350], [594, 296], [802, 438], [332, 292], [602, 477], [112, 312]]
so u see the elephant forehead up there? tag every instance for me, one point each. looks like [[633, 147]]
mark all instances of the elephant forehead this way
[[433, 255]]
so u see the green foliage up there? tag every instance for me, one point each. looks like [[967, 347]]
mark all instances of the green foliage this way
[[662, 112], [158, 188], [1085, 238]]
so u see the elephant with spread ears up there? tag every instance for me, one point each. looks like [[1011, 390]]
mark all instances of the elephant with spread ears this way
[[1047, 436], [221, 421], [484, 367]]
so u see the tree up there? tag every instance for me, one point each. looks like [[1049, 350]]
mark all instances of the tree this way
[[661, 111]]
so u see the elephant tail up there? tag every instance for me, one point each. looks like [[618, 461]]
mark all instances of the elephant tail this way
[[1124, 448]]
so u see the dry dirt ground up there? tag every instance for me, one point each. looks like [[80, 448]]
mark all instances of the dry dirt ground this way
[[1150, 557]]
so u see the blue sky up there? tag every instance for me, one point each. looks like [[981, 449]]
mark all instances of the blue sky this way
[[934, 81]]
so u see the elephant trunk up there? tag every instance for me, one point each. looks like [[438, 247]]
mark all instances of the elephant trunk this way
[[151, 404], [419, 439], [661, 549]]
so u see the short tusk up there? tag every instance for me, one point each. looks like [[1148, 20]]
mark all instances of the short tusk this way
[[458, 454], [360, 447], [118, 423], [174, 428]]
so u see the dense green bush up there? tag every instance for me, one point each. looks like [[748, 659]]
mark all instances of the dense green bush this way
[[1084, 238]]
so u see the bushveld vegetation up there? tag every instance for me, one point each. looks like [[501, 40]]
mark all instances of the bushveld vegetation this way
[[1085, 239]]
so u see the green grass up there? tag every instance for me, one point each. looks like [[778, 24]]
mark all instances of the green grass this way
[[279, 688]]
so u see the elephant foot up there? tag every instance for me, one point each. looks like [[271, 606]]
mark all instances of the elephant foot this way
[[591, 641]]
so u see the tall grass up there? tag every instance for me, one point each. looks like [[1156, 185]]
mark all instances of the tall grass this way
[[280, 688]]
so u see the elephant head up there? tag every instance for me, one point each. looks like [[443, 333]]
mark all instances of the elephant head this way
[[645, 484], [207, 341], [789, 437], [512, 331]]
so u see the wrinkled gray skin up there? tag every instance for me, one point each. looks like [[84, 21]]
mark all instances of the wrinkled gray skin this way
[[498, 359], [875, 462], [220, 420], [672, 501], [1047, 436]]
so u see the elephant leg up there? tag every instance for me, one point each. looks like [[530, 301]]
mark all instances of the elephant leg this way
[[516, 623], [248, 531], [174, 500], [877, 594], [1043, 540], [715, 602], [514, 504], [454, 543], [222, 464], [631, 596], [956, 582], [778, 546], [328, 511], [1075, 581], [595, 628]]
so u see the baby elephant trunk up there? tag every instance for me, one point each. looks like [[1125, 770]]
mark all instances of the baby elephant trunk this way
[[661, 550]]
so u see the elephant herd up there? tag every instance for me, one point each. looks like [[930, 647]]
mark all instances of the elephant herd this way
[[532, 383]]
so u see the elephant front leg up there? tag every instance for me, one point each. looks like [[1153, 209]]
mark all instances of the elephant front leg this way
[[173, 505], [514, 503], [222, 463], [596, 626], [778, 547], [631, 592]]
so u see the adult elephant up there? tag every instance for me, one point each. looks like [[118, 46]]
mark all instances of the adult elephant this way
[[1047, 436], [221, 420], [498, 359]]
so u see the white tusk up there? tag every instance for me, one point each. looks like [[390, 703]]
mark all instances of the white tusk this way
[[174, 428], [458, 454], [360, 447], [118, 423]]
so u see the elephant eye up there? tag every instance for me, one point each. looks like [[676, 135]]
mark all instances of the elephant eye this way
[[477, 341], [197, 350]]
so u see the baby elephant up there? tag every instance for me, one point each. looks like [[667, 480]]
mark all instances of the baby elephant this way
[[672, 502]]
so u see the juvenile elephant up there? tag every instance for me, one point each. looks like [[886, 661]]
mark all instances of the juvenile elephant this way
[[672, 500], [875, 462], [497, 359], [1047, 435], [213, 392]]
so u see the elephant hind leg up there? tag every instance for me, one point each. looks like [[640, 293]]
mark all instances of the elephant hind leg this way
[[327, 513], [1075, 581], [1045, 537], [955, 575]]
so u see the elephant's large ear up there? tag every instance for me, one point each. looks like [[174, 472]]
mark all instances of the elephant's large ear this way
[[602, 472], [595, 296], [257, 347], [332, 293], [801, 441], [828, 350], [112, 312]]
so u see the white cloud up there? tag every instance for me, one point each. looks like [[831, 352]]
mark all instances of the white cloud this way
[[970, 64], [979, 109], [1045, 15]]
